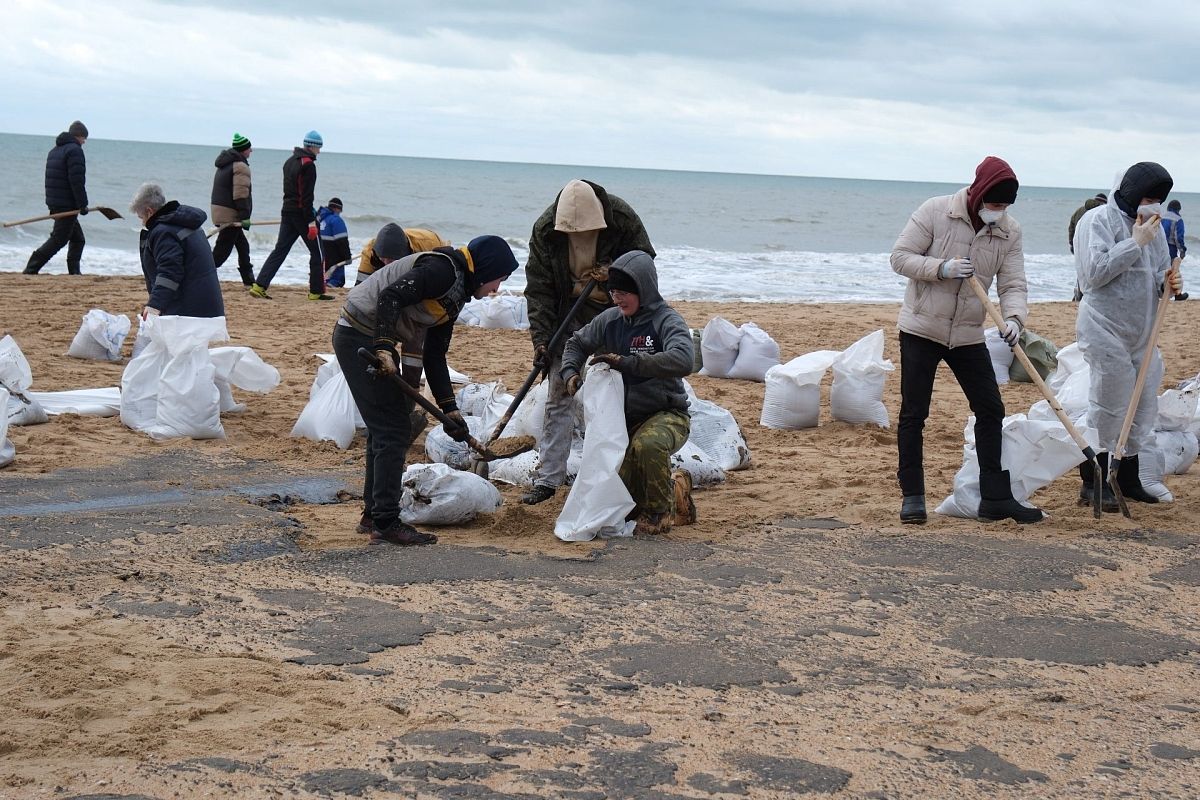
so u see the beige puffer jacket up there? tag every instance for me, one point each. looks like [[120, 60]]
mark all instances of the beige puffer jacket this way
[[947, 311]]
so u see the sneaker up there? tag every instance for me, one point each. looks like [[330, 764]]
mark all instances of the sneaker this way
[[260, 292], [652, 524], [322, 296], [685, 507], [538, 494], [365, 524], [398, 533], [1181, 296]]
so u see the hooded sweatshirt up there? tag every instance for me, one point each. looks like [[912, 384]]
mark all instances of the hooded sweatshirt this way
[[990, 172], [178, 264], [655, 345]]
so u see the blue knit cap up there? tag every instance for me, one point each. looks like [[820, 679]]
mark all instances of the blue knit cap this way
[[493, 258], [313, 139]]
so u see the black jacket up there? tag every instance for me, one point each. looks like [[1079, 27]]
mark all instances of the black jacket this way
[[66, 175], [299, 185], [178, 264]]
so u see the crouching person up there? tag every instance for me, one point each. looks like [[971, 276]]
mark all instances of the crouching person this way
[[404, 313], [651, 346], [181, 276]]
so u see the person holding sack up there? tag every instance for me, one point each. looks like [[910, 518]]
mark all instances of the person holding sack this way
[[967, 235]]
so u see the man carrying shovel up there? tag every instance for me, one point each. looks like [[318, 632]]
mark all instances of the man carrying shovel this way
[[1123, 266], [584, 227], [66, 190], [404, 314]]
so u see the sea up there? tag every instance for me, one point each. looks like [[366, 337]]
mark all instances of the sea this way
[[719, 236]]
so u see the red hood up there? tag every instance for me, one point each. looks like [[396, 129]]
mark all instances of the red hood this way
[[990, 171]]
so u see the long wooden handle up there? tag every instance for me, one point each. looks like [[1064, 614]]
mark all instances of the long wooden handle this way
[[1047, 393], [58, 215]]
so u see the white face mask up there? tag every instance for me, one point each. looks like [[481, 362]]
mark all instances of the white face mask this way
[[990, 217], [1148, 211]]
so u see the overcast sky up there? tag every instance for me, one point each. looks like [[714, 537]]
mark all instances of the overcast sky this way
[[1068, 92]]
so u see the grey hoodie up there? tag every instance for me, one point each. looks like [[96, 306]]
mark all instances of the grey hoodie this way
[[655, 345]]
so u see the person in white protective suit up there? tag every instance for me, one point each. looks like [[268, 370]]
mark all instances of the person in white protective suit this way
[[1122, 262]]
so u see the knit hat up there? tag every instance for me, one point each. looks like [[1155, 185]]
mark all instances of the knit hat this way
[[391, 242], [1004, 191], [492, 257], [334, 202], [78, 129], [313, 139], [240, 143], [579, 209], [622, 281]]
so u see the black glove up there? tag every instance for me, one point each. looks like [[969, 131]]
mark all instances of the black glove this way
[[457, 430], [539, 355], [83, 211]]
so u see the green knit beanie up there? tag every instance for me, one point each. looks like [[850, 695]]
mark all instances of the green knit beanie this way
[[240, 142]]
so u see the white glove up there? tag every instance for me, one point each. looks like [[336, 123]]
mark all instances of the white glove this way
[[1011, 332], [1144, 232], [149, 312], [957, 268]]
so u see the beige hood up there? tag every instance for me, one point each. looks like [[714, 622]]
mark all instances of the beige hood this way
[[578, 209]]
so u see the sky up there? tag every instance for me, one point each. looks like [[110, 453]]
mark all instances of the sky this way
[[1068, 92]]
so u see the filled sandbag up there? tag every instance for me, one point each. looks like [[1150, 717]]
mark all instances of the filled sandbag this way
[[792, 397], [15, 373], [441, 449], [24, 410], [859, 375], [7, 450], [716, 432], [1000, 354], [757, 353], [501, 311], [438, 494], [1177, 408], [521, 470], [528, 418], [330, 414], [474, 398], [1042, 353], [1071, 381], [100, 336], [719, 347], [694, 461]]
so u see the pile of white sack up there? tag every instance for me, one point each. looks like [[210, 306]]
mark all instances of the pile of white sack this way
[[497, 311], [792, 396], [744, 353], [16, 407], [1038, 449], [175, 386]]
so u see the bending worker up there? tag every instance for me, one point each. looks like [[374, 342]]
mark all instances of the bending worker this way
[[948, 240]]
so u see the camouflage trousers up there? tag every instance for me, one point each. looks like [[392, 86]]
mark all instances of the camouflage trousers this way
[[646, 470]]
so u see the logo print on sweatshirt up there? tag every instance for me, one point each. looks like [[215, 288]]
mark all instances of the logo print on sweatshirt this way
[[639, 345]]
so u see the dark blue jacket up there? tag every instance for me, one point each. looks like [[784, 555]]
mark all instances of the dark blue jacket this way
[[1173, 226], [66, 174], [178, 264]]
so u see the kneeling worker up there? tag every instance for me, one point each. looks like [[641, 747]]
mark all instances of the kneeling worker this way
[[651, 346], [405, 314], [395, 242]]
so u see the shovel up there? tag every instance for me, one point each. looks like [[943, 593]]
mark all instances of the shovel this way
[[1114, 458], [1086, 448], [105, 210], [214, 231], [540, 366], [509, 448]]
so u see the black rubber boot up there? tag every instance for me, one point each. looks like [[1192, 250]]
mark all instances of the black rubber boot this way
[[997, 503], [1108, 500], [1087, 474], [538, 494], [1131, 482], [912, 510]]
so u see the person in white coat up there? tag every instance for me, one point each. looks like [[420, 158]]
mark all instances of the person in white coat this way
[[1122, 263]]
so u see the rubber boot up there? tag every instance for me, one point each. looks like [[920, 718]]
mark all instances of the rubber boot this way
[[997, 503], [912, 510], [1108, 500], [1131, 482], [1087, 475]]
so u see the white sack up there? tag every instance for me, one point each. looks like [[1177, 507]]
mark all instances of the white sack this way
[[330, 414], [694, 461], [1035, 453], [14, 368], [498, 311], [474, 398], [1000, 354], [719, 347], [7, 451], [100, 336], [241, 367], [1150, 473], [859, 375], [521, 470], [1177, 409], [84, 402], [599, 501], [24, 410], [716, 433], [1071, 381], [441, 449], [528, 418], [792, 397], [757, 353], [1179, 450], [438, 494]]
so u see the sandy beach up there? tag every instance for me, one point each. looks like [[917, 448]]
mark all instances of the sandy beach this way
[[796, 639]]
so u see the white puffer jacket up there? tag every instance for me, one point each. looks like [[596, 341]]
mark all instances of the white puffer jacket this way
[[946, 311]]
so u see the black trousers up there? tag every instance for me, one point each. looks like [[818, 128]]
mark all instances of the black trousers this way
[[229, 238], [386, 410], [291, 229], [66, 231], [972, 368]]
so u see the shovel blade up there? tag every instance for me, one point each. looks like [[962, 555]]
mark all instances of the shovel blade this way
[[1098, 493], [109, 213], [1114, 466]]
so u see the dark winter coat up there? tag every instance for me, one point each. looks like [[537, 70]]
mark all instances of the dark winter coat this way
[[178, 264], [548, 281], [299, 185], [231, 196], [66, 175]]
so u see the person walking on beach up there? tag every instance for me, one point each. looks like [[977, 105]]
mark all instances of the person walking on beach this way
[[298, 220], [1172, 224], [1123, 265], [176, 259], [964, 236], [582, 231], [66, 190], [405, 314], [335, 240], [1092, 202], [232, 204], [401, 242], [647, 341]]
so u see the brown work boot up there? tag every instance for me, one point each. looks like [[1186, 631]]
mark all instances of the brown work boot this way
[[652, 524], [685, 508], [365, 524], [399, 533]]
